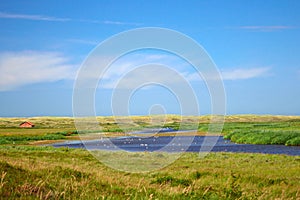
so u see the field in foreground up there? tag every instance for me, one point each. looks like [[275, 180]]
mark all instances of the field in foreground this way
[[49, 173]]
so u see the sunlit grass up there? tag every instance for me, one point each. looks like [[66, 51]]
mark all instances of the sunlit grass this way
[[40, 172], [284, 133], [266, 129], [51, 173]]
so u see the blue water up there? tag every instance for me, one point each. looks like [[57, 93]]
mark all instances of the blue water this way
[[167, 144]]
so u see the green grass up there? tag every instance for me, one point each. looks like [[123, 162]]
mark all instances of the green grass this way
[[283, 133], [24, 139], [61, 173], [36, 172], [250, 129]]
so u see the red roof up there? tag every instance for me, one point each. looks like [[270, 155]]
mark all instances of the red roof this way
[[27, 124]]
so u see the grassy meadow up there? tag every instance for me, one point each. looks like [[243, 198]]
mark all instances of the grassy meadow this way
[[29, 171], [49, 173], [251, 129]]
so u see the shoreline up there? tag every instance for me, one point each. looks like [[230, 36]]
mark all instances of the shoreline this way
[[118, 134]]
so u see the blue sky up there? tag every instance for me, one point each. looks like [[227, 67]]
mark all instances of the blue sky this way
[[255, 45]]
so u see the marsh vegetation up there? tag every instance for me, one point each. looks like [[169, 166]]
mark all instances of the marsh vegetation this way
[[251, 129], [38, 172], [62, 173]]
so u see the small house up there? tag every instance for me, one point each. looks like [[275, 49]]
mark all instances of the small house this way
[[26, 125]]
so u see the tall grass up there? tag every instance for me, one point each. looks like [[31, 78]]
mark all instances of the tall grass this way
[[32, 172], [51, 173], [282, 133]]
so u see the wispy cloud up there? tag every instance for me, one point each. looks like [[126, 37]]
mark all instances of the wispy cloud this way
[[32, 17], [233, 74], [5, 15], [127, 72], [172, 76], [109, 22], [131, 70], [240, 74], [82, 41], [141, 75], [121, 23], [22, 68], [266, 28]]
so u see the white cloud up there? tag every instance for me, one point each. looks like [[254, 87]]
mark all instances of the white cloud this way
[[22, 68], [239, 74], [266, 28], [5, 15], [165, 77], [126, 70], [81, 41], [108, 22], [32, 17], [145, 74], [234, 74], [120, 23]]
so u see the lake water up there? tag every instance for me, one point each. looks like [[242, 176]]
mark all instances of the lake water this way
[[177, 144]]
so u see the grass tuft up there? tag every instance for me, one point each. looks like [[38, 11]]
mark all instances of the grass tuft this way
[[172, 181]]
